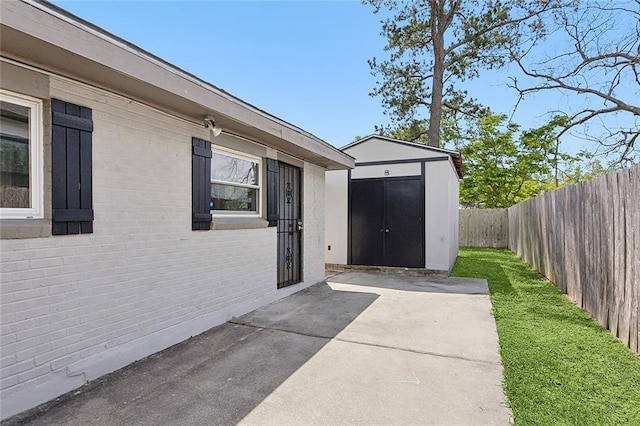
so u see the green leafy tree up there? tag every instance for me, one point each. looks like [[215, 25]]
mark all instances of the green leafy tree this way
[[504, 166], [578, 171], [433, 44]]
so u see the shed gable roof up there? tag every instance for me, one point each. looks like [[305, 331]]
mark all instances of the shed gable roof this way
[[455, 156]]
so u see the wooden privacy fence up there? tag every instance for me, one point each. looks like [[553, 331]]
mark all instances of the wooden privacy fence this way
[[483, 228], [586, 239]]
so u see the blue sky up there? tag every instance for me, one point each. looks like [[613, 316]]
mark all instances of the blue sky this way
[[302, 61]]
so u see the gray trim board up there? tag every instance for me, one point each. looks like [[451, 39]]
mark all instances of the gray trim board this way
[[349, 216], [423, 186], [405, 161]]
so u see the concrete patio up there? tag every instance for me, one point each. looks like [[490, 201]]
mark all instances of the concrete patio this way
[[362, 348]]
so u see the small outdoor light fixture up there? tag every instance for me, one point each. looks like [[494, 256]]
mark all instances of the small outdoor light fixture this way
[[210, 123]]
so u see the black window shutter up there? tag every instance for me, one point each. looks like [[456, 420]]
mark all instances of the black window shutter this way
[[272, 192], [71, 169], [201, 185]]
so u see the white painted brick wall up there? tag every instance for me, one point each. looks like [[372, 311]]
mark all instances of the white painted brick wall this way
[[76, 307], [313, 223]]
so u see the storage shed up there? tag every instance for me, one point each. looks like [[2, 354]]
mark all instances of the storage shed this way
[[139, 204], [398, 207]]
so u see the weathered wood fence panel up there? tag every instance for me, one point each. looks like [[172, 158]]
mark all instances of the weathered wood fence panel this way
[[483, 228], [586, 239]]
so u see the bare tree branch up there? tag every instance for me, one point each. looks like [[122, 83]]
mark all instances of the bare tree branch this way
[[598, 68]]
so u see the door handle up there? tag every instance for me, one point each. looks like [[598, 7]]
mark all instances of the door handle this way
[[386, 230], [299, 226]]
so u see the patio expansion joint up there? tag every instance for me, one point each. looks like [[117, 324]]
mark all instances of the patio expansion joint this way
[[376, 345]]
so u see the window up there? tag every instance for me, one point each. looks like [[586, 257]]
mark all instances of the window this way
[[235, 184], [21, 146]]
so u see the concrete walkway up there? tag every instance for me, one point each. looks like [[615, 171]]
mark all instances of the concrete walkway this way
[[363, 348]]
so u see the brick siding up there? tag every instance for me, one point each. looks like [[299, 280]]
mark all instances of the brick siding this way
[[79, 306]]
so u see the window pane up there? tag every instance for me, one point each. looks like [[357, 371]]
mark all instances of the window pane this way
[[227, 197], [14, 156], [232, 169]]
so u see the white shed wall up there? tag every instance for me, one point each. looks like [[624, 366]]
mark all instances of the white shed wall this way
[[76, 307], [454, 210], [441, 199]]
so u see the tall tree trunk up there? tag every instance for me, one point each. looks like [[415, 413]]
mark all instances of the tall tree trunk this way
[[435, 111]]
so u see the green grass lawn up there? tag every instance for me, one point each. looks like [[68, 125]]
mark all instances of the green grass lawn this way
[[560, 366]]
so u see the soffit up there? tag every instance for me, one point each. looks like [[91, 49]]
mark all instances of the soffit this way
[[49, 41]]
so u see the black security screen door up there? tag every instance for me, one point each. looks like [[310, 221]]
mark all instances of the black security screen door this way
[[386, 222], [289, 225]]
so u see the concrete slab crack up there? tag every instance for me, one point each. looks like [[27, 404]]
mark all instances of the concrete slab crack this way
[[419, 351], [377, 345]]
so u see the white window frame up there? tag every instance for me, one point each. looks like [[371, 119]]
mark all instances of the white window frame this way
[[247, 157], [36, 148]]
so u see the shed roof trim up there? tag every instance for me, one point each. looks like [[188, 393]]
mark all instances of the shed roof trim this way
[[455, 156]]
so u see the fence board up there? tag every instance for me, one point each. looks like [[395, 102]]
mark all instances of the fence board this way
[[571, 265], [619, 246], [627, 305], [634, 257], [586, 239], [483, 228]]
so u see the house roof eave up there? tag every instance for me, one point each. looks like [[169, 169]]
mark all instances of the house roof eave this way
[[44, 36]]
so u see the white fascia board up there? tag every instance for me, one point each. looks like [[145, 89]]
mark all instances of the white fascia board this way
[[55, 27]]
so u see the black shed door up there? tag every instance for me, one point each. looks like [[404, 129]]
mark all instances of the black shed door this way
[[289, 225], [367, 222], [387, 222], [404, 233]]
